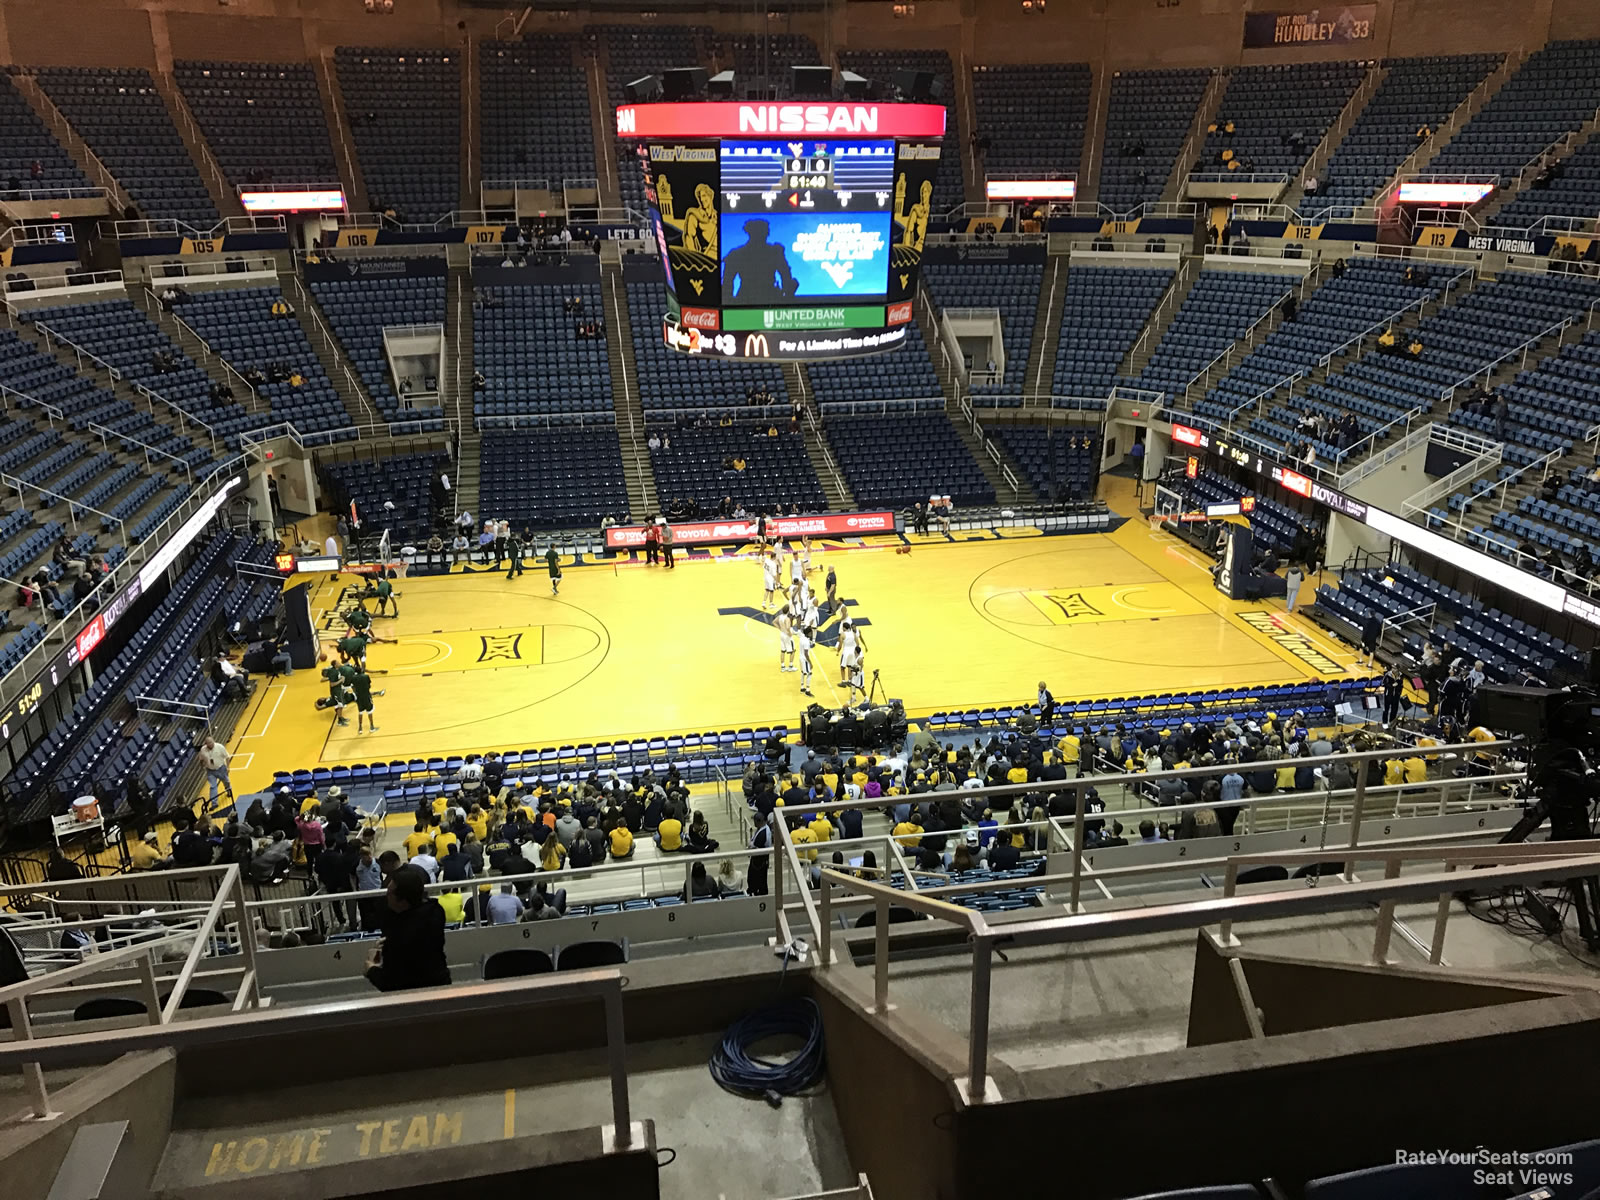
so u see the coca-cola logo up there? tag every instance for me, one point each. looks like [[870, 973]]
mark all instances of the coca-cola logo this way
[[702, 318]]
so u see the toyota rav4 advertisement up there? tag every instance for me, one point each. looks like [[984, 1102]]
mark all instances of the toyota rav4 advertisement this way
[[705, 533]]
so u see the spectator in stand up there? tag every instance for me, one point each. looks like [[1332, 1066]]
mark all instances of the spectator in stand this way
[[411, 954]]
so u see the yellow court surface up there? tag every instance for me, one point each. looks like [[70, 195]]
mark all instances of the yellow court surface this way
[[481, 662]]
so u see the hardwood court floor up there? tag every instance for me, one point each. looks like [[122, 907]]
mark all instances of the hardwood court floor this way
[[482, 662]]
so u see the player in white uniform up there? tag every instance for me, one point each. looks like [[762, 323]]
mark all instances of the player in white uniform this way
[[769, 577], [852, 657], [804, 640], [785, 640]]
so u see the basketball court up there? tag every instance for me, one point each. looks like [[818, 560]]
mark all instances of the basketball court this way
[[482, 662]]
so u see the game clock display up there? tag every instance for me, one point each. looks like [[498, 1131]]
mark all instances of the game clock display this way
[[788, 246]]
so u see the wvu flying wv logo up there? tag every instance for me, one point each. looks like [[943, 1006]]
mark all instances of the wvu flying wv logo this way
[[500, 646], [827, 632]]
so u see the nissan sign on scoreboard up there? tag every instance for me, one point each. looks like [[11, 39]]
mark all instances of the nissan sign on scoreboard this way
[[708, 533]]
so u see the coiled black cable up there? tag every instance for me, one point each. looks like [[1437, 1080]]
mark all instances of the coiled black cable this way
[[738, 1071]]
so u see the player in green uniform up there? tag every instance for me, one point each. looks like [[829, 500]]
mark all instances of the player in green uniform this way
[[342, 695], [552, 560], [358, 618], [354, 648], [361, 686], [331, 674], [385, 597]]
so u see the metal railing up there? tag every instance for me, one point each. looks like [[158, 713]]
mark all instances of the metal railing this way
[[1485, 455], [85, 898], [1177, 292], [309, 307], [1465, 111], [1353, 107], [14, 681], [39, 286], [1194, 139], [256, 402], [74, 507], [1492, 867], [44, 192]]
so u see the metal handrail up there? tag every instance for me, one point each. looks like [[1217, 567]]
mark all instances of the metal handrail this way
[[309, 306], [1320, 156], [66, 134], [389, 1010], [31, 663], [1225, 911], [1435, 140], [256, 401]]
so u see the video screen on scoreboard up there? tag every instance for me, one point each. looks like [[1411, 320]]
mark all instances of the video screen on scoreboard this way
[[804, 258], [818, 238]]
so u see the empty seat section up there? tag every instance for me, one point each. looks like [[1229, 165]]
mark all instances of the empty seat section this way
[[263, 121], [1416, 93], [552, 479], [534, 98], [527, 347], [1032, 116], [1148, 117], [702, 462], [896, 459], [404, 108], [1102, 313], [119, 112]]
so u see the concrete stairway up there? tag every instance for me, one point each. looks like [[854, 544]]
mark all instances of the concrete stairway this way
[[1040, 377], [834, 487], [338, 123], [213, 364], [467, 476], [1094, 136], [927, 322], [221, 191], [980, 449], [1359, 99], [1424, 154], [88, 162], [605, 155], [1192, 145], [471, 127], [636, 470], [456, 394], [1507, 193], [1161, 317]]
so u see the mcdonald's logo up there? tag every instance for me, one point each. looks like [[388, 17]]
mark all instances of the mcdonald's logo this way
[[626, 120], [755, 346]]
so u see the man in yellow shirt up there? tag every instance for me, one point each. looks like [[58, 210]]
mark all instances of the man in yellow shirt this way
[[669, 835], [416, 840], [907, 833], [803, 838], [478, 822], [621, 841], [822, 828], [310, 804], [1415, 770], [442, 841], [145, 853], [1017, 774]]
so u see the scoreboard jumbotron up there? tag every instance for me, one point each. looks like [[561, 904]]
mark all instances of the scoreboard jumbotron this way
[[787, 231]]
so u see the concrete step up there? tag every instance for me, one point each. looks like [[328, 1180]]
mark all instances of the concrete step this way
[[1359, 99], [636, 469], [1040, 379], [337, 121], [994, 461], [346, 381], [1193, 143], [1094, 136]]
